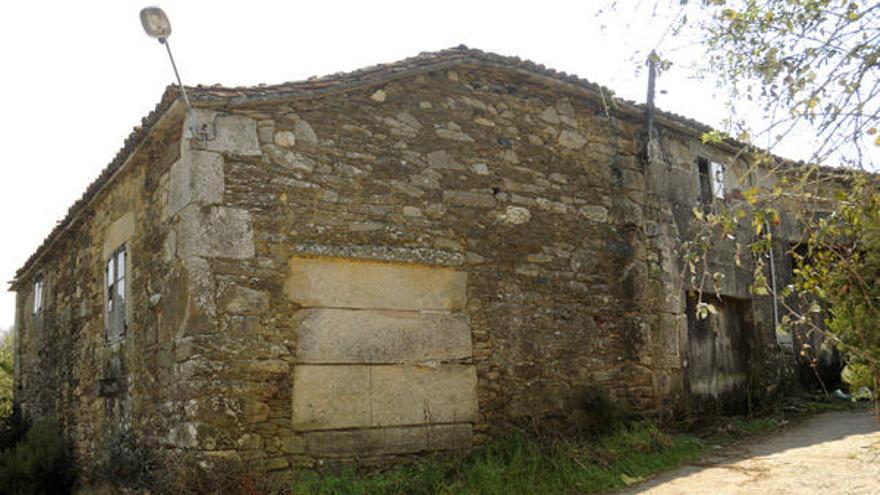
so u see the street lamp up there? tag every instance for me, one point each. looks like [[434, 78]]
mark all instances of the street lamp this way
[[157, 25]]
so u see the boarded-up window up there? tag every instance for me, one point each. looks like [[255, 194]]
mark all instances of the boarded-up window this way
[[115, 324]]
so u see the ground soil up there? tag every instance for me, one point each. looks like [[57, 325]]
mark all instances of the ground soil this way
[[832, 453]]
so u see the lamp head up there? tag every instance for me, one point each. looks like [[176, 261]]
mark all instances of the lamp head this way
[[155, 23]]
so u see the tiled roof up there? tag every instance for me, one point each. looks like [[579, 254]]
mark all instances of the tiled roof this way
[[315, 86]]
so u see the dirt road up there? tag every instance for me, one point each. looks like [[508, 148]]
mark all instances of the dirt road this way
[[833, 453]]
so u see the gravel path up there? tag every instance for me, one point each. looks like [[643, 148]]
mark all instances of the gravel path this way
[[832, 453]]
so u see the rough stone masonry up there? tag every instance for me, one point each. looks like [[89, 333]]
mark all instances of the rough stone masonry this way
[[403, 259]]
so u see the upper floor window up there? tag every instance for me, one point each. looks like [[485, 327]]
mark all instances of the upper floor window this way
[[38, 295], [115, 285], [711, 181]]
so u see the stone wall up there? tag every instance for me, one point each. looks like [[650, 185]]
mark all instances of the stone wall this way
[[401, 268], [568, 243], [65, 367]]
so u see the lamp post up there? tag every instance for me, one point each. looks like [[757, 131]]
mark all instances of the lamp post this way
[[157, 25]]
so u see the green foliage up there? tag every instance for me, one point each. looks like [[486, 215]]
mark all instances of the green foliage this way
[[813, 66], [841, 272], [38, 464], [13, 428], [524, 465], [811, 62], [6, 373], [857, 376]]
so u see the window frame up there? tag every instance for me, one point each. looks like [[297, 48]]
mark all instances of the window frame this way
[[716, 176], [115, 295], [39, 300], [710, 175]]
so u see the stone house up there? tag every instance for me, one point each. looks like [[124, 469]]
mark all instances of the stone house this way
[[401, 259]]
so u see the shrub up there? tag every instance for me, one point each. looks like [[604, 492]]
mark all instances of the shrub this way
[[856, 376], [38, 464], [121, 460], [13, 427]]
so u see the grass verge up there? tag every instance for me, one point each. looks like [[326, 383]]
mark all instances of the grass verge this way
[[524, 465]]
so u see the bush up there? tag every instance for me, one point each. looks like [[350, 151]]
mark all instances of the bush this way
[[122, 460], [13, 427], [38, 464], [856, 376]]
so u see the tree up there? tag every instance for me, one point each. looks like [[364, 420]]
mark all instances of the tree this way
[[811, 66], [814, 64], [810, 63]]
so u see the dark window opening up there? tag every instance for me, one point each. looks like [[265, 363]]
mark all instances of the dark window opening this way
[[115, 303], [705, 182], [711, 181]]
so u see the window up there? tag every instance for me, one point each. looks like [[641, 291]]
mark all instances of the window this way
[[115, 277], [717, 171], [38, 295], [711, 181]]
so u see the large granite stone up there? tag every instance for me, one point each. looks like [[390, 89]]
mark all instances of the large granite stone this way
[[234, 134], [215, 232], [329, 397], [380, 337], [197, 177], [364, 284], [384, 441]]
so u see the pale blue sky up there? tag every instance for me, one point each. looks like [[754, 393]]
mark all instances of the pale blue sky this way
[[79, 75]]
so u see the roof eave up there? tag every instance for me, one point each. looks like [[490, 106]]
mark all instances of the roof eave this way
[[167, 113]]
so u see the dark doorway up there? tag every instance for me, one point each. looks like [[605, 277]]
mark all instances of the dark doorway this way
[[718, 352]]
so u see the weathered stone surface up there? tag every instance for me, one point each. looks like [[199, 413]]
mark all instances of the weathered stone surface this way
[[412, 211], [285, 138], [119, 232], [549, 115], [345, 283], [196, 178], [215, 232], [453, 132], [571, 139], [199, 293], [480, 168], [289, 159], [381, 337], [384, 441], [239, 300], [441, 160], [517, 215], [304, 132], [566, 112], [266, 131], [594, 213], [234, 134], [328, 397], [471, 199]]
